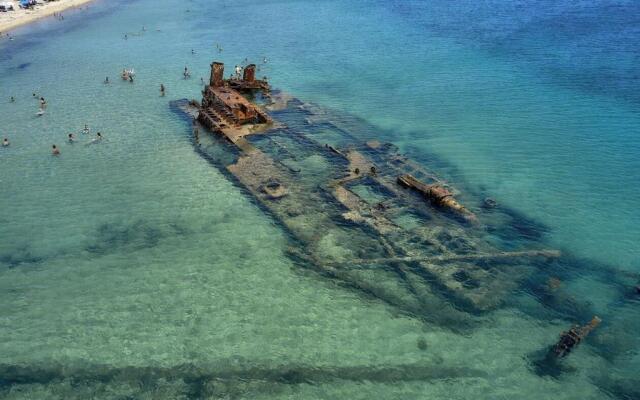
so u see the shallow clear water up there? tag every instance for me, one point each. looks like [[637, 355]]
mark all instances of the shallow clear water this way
[[137, 253]]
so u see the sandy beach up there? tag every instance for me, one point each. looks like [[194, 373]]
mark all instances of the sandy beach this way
[[12, 19]]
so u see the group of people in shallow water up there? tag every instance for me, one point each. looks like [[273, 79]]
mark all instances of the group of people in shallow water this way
[[43, 103], [127, 74], [71, 138], [238, 70]]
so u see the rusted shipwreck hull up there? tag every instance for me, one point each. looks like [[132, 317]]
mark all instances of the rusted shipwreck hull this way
[[360, 212]]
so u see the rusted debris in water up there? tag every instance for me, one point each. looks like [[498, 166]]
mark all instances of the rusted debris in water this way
[[553, 284], [249, 83], [346, 204], [334, 150], [507, 255], [549, 362], [225, 110], [437, 194], [573, 337], [274, 189], [489, 203]]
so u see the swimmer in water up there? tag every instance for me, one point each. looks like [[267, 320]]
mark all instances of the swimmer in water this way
[[131, 78], [86, 129], [5, 142], [12, 99], [72, 138], [106, 80], [97, 139], [55, 151]]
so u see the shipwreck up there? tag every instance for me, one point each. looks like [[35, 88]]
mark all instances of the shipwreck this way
[[358, 211]]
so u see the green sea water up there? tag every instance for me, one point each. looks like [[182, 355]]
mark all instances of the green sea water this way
[[134, 268]]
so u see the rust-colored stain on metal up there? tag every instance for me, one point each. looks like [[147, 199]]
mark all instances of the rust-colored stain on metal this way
[[224, 108]]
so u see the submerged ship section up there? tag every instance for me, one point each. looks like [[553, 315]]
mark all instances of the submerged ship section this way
[[357, 211]]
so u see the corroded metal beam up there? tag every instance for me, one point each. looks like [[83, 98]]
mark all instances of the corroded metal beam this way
[[460, 257]]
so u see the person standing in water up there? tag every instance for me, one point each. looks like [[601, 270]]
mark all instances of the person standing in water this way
[[72, 138], [55, 151], [106, 80], [12, 99], [86, 129], [186, 73], [161, 89]]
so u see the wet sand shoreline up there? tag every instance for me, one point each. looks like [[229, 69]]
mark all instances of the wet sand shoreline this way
[[11, 20]]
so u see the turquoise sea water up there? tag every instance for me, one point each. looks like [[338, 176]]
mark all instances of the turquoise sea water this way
[[134, 268]]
